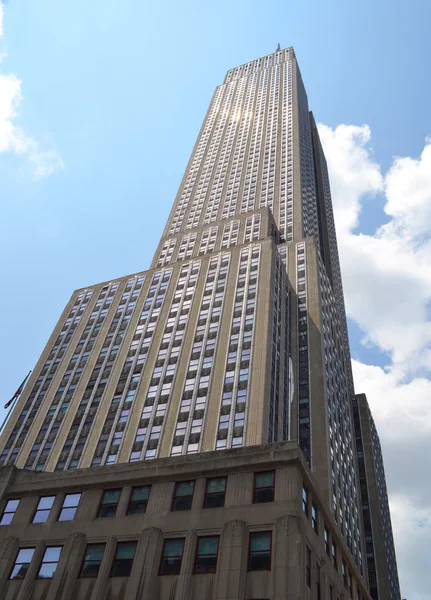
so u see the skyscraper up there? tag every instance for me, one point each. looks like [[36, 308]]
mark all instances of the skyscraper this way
[[235, 337]]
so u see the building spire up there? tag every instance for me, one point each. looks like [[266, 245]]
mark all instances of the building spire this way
[[278, 47]]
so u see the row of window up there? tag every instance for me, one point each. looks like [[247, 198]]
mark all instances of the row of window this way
[[215, 492], [206, 554]]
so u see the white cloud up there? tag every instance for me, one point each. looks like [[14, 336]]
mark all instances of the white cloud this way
[[387, 284], [12, 137]]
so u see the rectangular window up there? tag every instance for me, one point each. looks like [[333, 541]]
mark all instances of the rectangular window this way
[[108, 506], [183, 495], [215, 492], [343, 572], [49, 562], [326, 540], [9, 512], [206, 554], [172, 557], [259, 554], [123, 560], [138, 500], [308, 565], [43, 509], [264, 484], [314, 519], [305, 500], [334, 555], [22, 563], [70, 504], [92, 560]]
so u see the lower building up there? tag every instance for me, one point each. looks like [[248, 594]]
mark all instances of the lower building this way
[[243, 524]]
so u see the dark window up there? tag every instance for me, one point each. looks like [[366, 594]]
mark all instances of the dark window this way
[[206, 554], [138, 500], [70, 504], [172, 557], [9, 512], [308, 565], [264, 487], [326, 540], [259, 555], [43, 509], [343, 572], [22, 563], [108, 506], [318, 588], [92, 559], [49, 562], [334, 555], [305, 500], [314, 518], [123, 560], [215, 492], [183, 495]]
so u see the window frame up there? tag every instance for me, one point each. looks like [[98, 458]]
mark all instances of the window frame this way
[[80, 575], [109, 503], [49, 562], [8, 512], [205, 537], [123, 543], [263, 487], [206, 493], [191, 496], [305, 501], [314, 518], [250, 535], [42, 510], [308, 565], [165, 542], [135, 487], [15, 563], [69, 507]]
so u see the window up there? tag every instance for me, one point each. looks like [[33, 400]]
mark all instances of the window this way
[[138, 500], [305, 500], [264, 487], [326, 540], [43, 509], [215, 492], [123, 560], [92, 559], [308, 565], [343, 572], [22, 563], [172, 557], [206, 555], [259, 554], [9, 512], [49, 562], [183, 495], [314, 519], [108, 506], [70, 504], [334, 555]]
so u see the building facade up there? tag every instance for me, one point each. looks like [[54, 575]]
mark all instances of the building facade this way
[[235, 337]]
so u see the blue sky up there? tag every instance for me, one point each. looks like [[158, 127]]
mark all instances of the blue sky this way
[[112, 97]]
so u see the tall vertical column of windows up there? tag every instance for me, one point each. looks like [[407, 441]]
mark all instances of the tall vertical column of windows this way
[[230, 234], [196, 162], [208, 240], [47, 373], [166, 252], [194, 399], [274, 399], [286, 179], [232, 118], [288, 373], [251, 175], [159, 392], [267, 191], [187, 246], [252, 228], [232, 191], [92, 397], [118, 417], [207, 172], [303, 354], [236, 387]]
